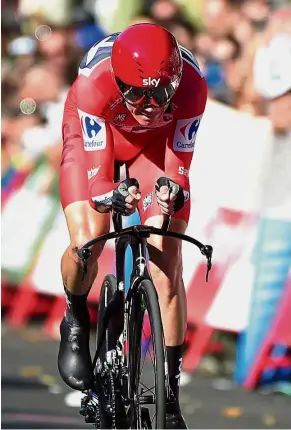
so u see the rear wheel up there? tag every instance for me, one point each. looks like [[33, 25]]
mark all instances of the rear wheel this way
[[145, 335]]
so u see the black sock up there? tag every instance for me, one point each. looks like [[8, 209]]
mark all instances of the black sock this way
[[174, 355], [77, 311]]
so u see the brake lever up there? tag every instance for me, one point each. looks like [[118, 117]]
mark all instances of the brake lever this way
[[207, 250], [84, 254]]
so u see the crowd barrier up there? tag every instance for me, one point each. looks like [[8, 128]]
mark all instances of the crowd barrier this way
[[231, 153]]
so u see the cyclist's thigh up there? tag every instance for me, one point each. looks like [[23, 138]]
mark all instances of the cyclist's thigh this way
[[84, 223], [165, 253], [73, 176], [147, 168]]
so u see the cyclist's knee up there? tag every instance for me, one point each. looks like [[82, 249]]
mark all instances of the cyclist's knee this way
[[85, 224], [166, 269], [82, 236], [165, 252]]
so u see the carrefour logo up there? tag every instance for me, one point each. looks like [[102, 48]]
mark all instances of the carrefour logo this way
[[93, 146], [94, 131], [185, 146], [189, 131], [91, 127], [185, 134]]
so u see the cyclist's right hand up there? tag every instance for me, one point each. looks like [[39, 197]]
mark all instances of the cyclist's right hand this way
[[126, 196]]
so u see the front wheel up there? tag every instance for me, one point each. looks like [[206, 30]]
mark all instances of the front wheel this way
[[145, 335], [108, 289]]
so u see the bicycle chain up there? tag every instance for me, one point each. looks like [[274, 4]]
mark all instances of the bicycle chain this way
[[97, 416]]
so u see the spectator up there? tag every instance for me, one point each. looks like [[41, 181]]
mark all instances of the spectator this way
[[54, 49], [184, 33], [165, 11], [14, 126], [221, 17], [272, 80], [257, 13], [272, 70], [139, 19], [33, 84]]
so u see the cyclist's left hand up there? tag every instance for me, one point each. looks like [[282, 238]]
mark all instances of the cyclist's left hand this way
[[170, 196], [166, 200]]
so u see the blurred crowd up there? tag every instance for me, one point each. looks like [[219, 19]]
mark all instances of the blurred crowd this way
[[225, 45], [41, 52]]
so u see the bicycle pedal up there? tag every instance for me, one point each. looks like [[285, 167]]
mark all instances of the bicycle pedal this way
[[89, 419]]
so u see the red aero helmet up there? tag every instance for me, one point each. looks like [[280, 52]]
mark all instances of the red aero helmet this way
[[146, 56]]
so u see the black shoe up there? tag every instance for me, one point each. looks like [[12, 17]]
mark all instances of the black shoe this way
[[74, 360], [174, 418]]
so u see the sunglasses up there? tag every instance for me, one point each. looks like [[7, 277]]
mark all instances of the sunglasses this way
[[159, 96]]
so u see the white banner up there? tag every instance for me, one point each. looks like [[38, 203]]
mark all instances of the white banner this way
[[46, 276], [23, 220], [230, 154]]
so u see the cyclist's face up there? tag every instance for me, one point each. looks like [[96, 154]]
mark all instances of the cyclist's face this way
[[146, 114]]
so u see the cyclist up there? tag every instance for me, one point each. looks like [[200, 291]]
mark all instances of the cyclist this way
[[139, 98]]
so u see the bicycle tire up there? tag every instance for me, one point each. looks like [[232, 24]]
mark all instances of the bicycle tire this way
[[107, 291], [147, 291]]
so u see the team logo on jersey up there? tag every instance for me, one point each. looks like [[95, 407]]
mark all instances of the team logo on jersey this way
[[117, 102], [104, 199], [94, 131], [120, 117], [185, 134], [147, 201], [93, 172], [183, 171]]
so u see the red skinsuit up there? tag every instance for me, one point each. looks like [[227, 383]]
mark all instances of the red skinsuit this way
[[98, 129]]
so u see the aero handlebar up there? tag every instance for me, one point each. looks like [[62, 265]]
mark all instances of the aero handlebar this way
[[145, 231]]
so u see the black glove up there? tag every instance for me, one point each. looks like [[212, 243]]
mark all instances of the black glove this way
[[120, 193], [181, 195]]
